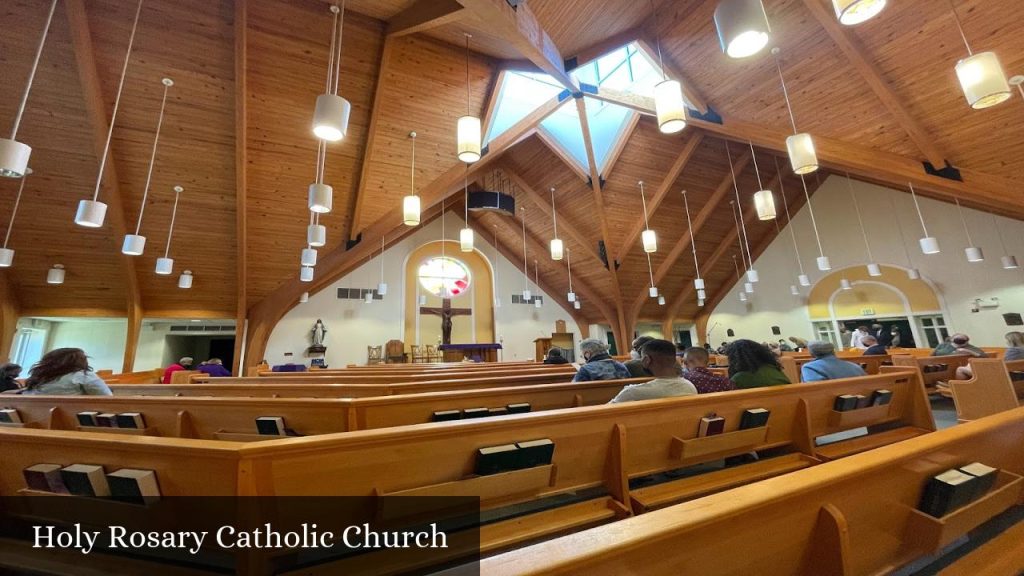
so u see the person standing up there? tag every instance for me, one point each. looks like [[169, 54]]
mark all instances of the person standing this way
[[881, 334], [857, 338], [65, 372], [844, 336]]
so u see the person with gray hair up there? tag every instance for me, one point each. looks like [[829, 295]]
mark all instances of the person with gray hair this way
[[599, 365], [825, 365]]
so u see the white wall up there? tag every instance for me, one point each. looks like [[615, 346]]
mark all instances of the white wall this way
[[956, 281], [155, 350], [102, 340], [353, 325]]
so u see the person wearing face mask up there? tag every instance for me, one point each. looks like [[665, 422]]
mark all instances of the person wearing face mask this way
[[599, 365], [659, 357], [634, 365]]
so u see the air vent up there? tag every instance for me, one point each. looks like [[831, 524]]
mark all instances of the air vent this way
[[357, 294], [518, 299]]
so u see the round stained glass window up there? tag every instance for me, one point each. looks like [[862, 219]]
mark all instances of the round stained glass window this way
[[444, 277]]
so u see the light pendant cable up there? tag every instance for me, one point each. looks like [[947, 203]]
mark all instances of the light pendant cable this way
[[536, 282], [739, 276], [571, 296], [748, 262], [497, 299], [668, 94], [873, 268], [466, 234], [165, 265], [802, 279], [14, 155], [557, 247], [331, 114], [411, 203], [648, 238], [698, 282], [751, 273], [764, 200], [974, 253], [7, 254], [468, 126], [912, 272], [526, 275], [135, 244], [800, 146], [382, 286], [1008, 261], [748, 286], [91, 213], [824, 264], [929, 244], [652, 289]]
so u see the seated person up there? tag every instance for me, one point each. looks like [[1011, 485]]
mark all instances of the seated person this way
[[215, 368], [784, 347], [826, 366], [599, 365], [9, 377], [705, 381], [752, 365], [944, 349], [635, 367], [183, 364], [555, 356], [798, 343], [723, 349], [963, 347], [1014, 346], [658, 357], [874, 347], [66, 372]]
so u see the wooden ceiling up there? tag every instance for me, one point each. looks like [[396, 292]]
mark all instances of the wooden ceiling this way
[[879, 98]]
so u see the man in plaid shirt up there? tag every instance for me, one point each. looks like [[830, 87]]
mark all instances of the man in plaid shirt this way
[[696, 371]]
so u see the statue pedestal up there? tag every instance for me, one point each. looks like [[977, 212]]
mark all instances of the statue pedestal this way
[[316, 349]]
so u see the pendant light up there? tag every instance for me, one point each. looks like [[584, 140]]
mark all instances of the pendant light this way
[[306, 274], [135, 244], [526, 275], [304, 297], [973, 253], [165, 265], [800, 146], [321, 196], [422, 300], [824, 264], [845, 284], [466, 234], [853, 12], [55, 275], [794, 290], [748, 286], [981, 75], [1008, 261], [571, 296], [14, 155], [741, 225], [185, 280], [739, 277], [382, 286], [668, 95], [537, 303], [468, 129], [647, 237], [742, 27], [912, 272], [802, 278], [873, 268], [557, 247], [497, 299], [330, 117], [411, 203], [316, 233], [764, 201], [698, 282], [929, 244], [576, 304], [91, 213], [308, 256], [661, 300], [7, 254], [652, 290]]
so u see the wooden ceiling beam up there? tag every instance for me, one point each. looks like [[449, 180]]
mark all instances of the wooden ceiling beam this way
[[425, 15], [8, 317], [356, 206], [599, 49], [241, 181]]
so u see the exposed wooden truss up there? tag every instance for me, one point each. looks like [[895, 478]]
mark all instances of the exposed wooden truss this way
[[424, 15]]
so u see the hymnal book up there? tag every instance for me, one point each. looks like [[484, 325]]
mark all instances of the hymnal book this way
[[754, 418], [446, 415], [502, 411], [1016, 376], [85, 480], [863, 401], [496, 459], [845, 402], [44, 477], [87, 418], [535, 453], [984, 477], [520, 408], [10, 416], [946, 492], [106, 420], [131, 420], [476, 413], [135, 486], [711, 425], [881, 397], [270, 425]]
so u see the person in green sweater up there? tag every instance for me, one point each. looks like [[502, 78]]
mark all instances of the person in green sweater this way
[[752, 365]]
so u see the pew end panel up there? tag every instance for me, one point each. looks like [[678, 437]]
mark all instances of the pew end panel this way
[[987, 392]]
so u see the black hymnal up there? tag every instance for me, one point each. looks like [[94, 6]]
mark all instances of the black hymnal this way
[[475, 413], [87, 418], [754, 418], [135, 486], [947, 492], [535, 453], [106, 420], [270, 425], [10, 416], [881, 397], [863, 401], [85, 480], [131, 420], [520, 408], [502, 411], [445, 415], [496, 459], [1016, 376], [984, 477], [845, 402], [711, 425], [44, 477]]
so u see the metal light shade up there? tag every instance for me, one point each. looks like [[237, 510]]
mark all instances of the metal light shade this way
[[742, 27], [316, 235], [845, 284], [661, 300], [698, 283], [650, 241], [90, 213], [185, 280], [13, 158], [466, 239], [974, 254], [469, 139], [369, 297], [982, 79], [164, 266], [133, 245], [306, 274], [55, 275], [794, 290], [874, 270], [853, 12], [526, 295], [304, 297], [1009, 262], [748, 287], [7, 257], [321, 198], [802, 157], [576, 305], [653, 291], [411, 210], [764, 202], [309, 257], [804, 280], [669, 106], [914, 274], [571, 296], [382, 288], [557, 249], [929, 245], [537, 304], [701, 294], [330, 119], [824, 264], [743, 296], [752, 275]]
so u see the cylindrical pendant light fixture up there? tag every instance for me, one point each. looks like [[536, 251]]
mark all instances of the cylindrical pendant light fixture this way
[[321, 196], [973, 253], [668, 94], [185, 280], [824, 264], [652, 290], [981, 75], [700, 303], [742, 27], [853, 12], [494, 267], [306, 274], [661, 300], [845, 284], [648, 238], [914, 274], [422, 300], [468, 133], [698, 282], [7, 254], [331, 114], [382, 286], [411, 203], [304, 297], [764, 201], [308, 257], [929, 244], [14, 155], [748, 287], [466, 234], [165, 265], [571, 296], [874, 269], [536, 281], [135, 244], [801, 277], [557, 247], [368, 298], [1008, 262], [743, 296], [804, 280], [526, 275], [800, 146], [576, 305], [55, 275], [702, 294], [316, 233], [794, 290]]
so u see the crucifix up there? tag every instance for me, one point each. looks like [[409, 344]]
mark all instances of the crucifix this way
[[446, 312]]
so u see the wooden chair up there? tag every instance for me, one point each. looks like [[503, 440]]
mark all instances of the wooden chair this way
[[433, 355], [374, 355], [394, 352], [419, 354]]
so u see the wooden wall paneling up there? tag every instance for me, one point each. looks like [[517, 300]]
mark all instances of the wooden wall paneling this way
[[241, 161], [424, 15], [355, 212], [578, 28]]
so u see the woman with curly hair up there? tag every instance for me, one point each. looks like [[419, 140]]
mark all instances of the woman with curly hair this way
[[65, 371], [752, 365]]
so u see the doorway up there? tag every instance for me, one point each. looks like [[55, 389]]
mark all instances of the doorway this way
[[903, 323], [683, 337]]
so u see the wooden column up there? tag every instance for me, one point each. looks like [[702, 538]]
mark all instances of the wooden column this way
[[241, 182]]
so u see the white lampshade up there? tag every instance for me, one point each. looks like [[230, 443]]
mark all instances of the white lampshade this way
[[752, 275], [982, 79], [164, 266], [422, 300], [794, 290], [845, 284], [576, 305], [321, 198], [369, 297], [742, 27], [133, 245], [304, 297], [804, 280], [55, 275], [1009, 262], [466, 240], [653, 291], [874, 270], [185, 280], [13, 158], [7, 257], [537, 304], [802, 157], [852, 12], [90, 213], [748, 287], [330, 118], [764, 202], [702, 295], [469, 139], [824, 264], [914, 274], [557, 249], [497, 302], [743, 296], [306, 274], [669, 106], [700, 302], [929, 245], [661, 300], [411, 210], [526, 295], [650, 240], [974, 254], [309, 256], [316, 235], [382, 288], [571, 296], [698, 283]]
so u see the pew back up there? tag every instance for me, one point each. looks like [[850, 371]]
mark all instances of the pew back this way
[[987, 392], [934, 369]]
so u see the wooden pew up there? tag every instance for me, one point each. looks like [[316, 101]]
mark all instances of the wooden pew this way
[[934, 369], [144, 377], [413, 369], [854, 516], [987, 392], [565, 369]]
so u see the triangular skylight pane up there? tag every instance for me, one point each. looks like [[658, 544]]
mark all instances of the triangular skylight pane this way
[[607, 125], [627, 68], [520, 93], [564, 126]]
